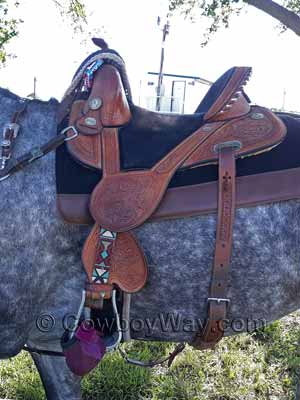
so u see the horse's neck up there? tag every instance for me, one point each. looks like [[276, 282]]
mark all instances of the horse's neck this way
[[36, 241]]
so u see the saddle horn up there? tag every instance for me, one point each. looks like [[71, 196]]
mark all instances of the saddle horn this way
[[100, 43]]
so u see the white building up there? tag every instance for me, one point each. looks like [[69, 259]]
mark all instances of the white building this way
[[179, 93]]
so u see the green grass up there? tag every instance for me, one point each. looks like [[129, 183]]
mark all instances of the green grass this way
[[261, 366]]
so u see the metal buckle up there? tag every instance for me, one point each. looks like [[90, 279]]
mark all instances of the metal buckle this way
[[64, 131], [13, 127], [218, 300], [236, 144], [5, 158]]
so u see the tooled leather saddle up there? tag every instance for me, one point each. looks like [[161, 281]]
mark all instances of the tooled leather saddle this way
[[124, 149]]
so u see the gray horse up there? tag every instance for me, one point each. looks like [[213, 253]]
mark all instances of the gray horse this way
[[42, 273]]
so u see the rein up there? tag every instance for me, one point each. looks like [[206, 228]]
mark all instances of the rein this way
[[10, 166]]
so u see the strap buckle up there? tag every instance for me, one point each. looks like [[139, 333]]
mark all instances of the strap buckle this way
[[64, 131], [235, 144], [12, 127], [218, 300]]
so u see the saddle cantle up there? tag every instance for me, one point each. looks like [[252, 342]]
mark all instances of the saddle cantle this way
[[123, 143]]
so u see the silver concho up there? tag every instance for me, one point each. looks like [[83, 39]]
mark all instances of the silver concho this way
[[90, 121], [95, 103]]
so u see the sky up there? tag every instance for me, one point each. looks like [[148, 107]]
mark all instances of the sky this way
[[48, 49]]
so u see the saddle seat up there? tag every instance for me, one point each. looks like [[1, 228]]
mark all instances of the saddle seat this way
[[149, 136]]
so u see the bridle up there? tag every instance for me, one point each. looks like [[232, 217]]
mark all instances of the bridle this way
[[10, 166]]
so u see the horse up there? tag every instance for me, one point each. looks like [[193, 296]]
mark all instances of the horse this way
[[43, 278]]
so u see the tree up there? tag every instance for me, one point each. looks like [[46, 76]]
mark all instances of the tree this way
[[219, 11], [8, 28], [74, 10]]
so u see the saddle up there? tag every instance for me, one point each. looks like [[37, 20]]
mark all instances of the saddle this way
[[125, 149]]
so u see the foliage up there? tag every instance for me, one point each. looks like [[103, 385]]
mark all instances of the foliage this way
[[8, 27], [261, 366], [219, 11], [293, 5], [74, 10]]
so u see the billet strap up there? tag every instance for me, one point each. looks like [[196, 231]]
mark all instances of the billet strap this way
[[218, 301]]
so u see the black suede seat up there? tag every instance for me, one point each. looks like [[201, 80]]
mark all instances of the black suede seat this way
[[151, 135], [215, 90]]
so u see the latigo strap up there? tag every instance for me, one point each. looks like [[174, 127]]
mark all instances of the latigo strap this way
[[218, 301]]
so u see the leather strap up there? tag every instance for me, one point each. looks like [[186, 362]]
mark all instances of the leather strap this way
[[34, 154], [110, 151], [217, 301], [10, 134]]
